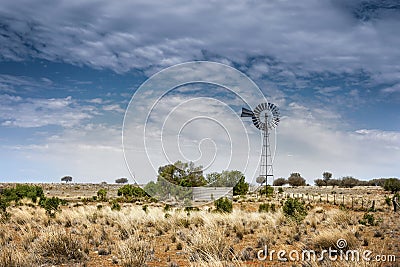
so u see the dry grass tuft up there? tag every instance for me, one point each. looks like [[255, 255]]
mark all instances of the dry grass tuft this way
[[328, 238], [56, 246], [135, 251], [11, 256]]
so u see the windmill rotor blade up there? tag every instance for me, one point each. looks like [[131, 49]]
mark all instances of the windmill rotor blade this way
[[264, 106], [256, 122], [246, 113], [258, 109]]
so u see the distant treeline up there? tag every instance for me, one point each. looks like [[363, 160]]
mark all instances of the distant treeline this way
[[389, 184]]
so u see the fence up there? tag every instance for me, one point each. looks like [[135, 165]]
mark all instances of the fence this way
[[347, 201]]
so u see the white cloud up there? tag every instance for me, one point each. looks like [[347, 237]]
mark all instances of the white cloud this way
[[113, 107], [309, 36], [89, 153], [38, 112]]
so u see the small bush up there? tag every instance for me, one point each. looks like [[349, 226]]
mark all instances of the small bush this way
[[115, 206], [264, 207], [223, 205], [269, 189], [102, 194], [392, 185], [131, 191], [294, 209], [145, 208], [388, 201], [51, 205], [273, 207], [280, 182], [368, 219], [167, 207]]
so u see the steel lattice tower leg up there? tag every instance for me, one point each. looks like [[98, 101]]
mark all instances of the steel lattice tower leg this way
[[266, 169]]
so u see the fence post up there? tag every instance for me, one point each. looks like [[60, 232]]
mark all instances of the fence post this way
[[343, 201], [352, 202], [362, 203], [327, 199], [334, 199]]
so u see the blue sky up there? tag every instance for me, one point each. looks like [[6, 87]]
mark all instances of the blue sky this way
[[68, 70]]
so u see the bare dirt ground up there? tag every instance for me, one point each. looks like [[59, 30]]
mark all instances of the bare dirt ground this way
[[91, 234]]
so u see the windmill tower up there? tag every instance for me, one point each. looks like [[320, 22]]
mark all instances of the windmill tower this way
[[265, 117]]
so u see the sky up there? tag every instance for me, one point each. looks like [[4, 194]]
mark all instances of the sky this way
[[77, 76]]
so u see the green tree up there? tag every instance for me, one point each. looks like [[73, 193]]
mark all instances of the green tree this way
[[260, 179], [224, 179], [121, 180], [349, 182], [241, 188], [151, 188], [66, 179], [320, 182], [182, 174], [326, 176], [295, 179]]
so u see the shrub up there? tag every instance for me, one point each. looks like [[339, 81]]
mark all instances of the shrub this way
[[280, 182], [131, 191], [280, 190], [334, 182], [264, 207], [269, 189], [51, 205], [349, 182], [3, 206], [145, 208], [167, 207], [294, 209], [388, 201], [102, 194], [21, 191], [320, 182], [368, 219], [392, 185], [273, 207], [115, 206], [223, 205]]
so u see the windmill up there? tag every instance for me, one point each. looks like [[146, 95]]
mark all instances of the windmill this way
[[265, 117]]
